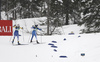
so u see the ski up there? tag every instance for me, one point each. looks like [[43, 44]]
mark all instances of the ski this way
[[19, 45], [38, 43]]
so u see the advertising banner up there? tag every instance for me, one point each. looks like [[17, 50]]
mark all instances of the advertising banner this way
[[6, 28]]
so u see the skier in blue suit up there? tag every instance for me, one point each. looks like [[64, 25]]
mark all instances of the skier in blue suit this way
[[16, 32], [35, 28]]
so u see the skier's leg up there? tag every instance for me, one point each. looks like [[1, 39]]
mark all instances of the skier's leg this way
[[13, 39], [32, 38], [18, 39], [36, 39], [36, 36]]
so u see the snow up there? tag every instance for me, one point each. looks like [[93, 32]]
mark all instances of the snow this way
[[3, 16], [72, 28], [29, 22], [72, 47]]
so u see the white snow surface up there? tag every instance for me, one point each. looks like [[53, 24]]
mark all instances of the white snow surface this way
[[3, 16], [72, 47], [29, 22]]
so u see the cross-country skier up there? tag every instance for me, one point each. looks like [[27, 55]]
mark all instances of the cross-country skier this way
[[16, 32], [35, 28]]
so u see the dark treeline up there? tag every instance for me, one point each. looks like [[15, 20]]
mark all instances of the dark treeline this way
[[59, 12]]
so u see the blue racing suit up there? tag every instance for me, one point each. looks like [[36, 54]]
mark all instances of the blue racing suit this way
[[34, 32], [16, 32]]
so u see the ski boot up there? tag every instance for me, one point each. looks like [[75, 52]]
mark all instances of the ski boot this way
[[37, 41], [13, 41], [19, 43], [31, 41]]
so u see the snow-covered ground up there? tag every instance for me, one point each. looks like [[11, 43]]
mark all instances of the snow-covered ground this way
[[29, 22], [72, 47]]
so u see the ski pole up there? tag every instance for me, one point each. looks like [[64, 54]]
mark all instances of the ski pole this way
[[23, 35], [29, 37], [41, 38], [10, 38]]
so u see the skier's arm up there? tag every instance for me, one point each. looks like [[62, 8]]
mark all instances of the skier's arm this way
[[14, 26], [39, 29], [21, 27]]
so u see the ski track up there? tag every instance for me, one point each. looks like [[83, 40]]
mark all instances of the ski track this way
[[72, 47]]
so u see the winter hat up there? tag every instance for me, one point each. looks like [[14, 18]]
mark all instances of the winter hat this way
[[36, 25]]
